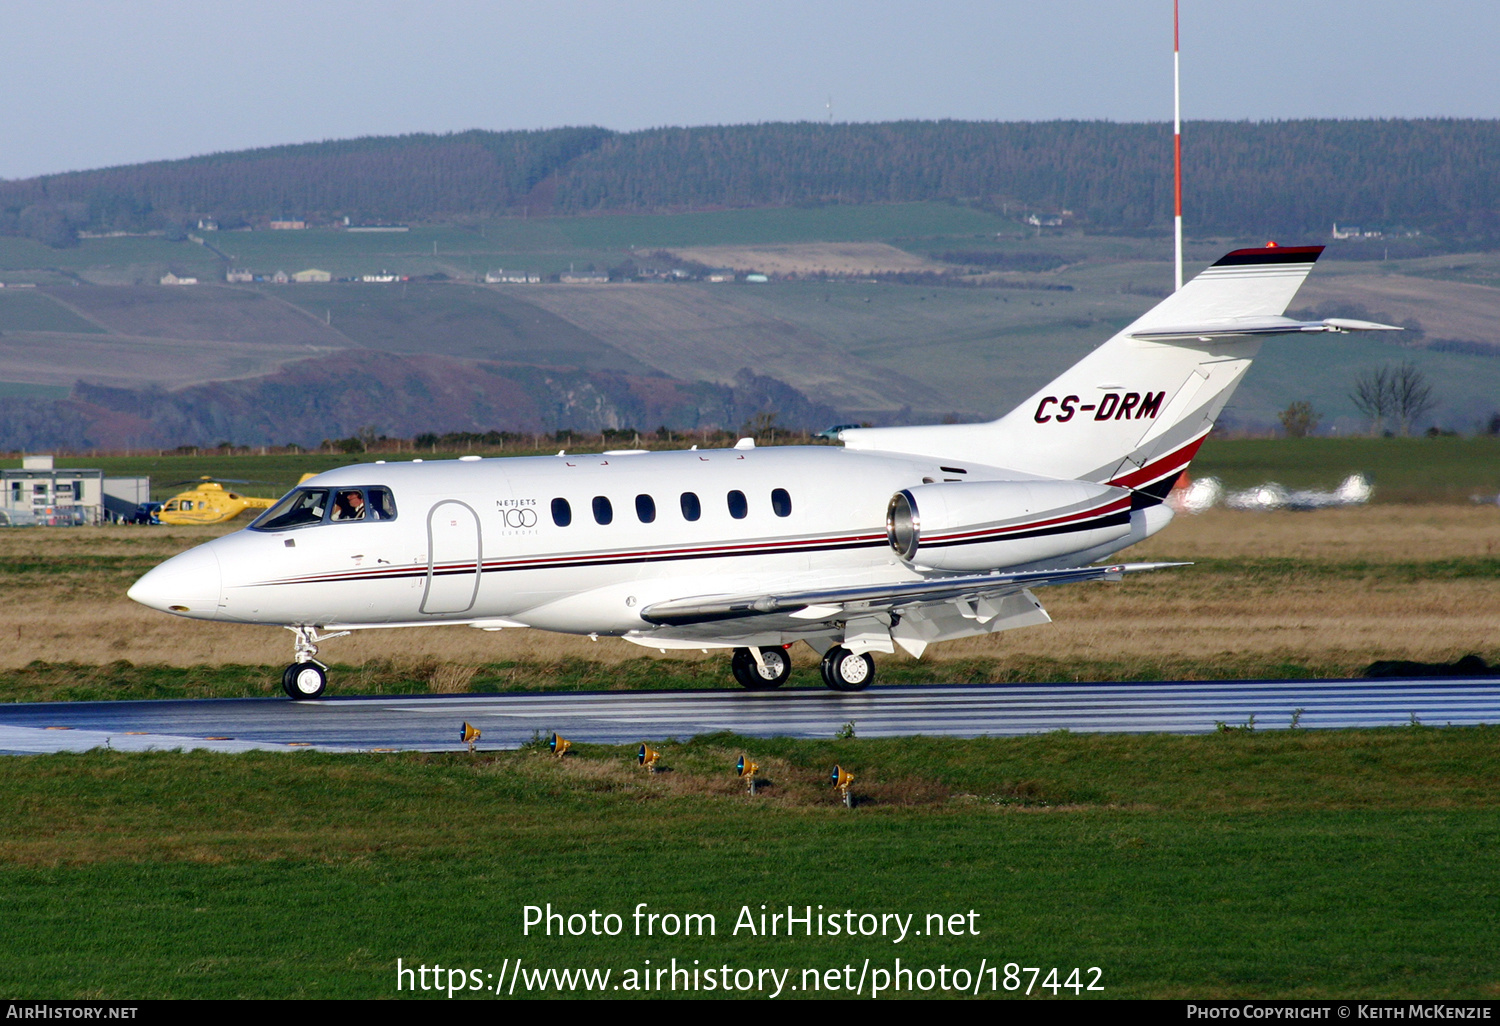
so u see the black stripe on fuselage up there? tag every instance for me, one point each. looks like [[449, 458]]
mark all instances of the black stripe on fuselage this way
[[570, 562], [1113, 520]]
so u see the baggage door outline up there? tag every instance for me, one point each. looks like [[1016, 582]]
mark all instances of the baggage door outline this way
[[454, 544]]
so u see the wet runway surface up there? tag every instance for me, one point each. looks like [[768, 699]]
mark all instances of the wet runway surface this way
[[433, 722]]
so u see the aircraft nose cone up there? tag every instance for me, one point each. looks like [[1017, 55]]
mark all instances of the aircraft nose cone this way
[[188, 585]]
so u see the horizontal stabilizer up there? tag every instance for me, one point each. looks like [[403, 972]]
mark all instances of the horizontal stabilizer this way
[[1241, 327], [833, 603]]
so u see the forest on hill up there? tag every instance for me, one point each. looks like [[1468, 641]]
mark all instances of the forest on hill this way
[[1440, 177]]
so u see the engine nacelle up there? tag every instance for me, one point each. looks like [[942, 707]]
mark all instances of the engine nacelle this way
[[985, 525]]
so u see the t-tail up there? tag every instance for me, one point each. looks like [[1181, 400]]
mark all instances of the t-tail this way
[[1134, 411]]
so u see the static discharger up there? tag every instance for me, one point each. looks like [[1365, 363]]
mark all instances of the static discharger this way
[[469, 735], [647, 757], [747, 770], [841, 779], [559, 745]]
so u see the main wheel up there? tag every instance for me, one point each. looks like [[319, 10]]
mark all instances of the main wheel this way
[[304, 680], [751, 677], [845, 671]]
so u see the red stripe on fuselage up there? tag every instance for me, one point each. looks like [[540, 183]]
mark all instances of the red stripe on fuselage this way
[[1158, 469]]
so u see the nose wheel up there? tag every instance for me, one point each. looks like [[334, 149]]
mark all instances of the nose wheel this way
[[845, 671], [306, 677], [768, 672], [304, 680]]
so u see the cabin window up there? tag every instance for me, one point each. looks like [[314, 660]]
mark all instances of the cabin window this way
[[603, 511], [781, 502], [300, 508], [738, 507], [562, 513], [645, 508], [692, 509]]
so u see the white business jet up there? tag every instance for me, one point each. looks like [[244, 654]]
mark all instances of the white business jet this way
[[904, 536]]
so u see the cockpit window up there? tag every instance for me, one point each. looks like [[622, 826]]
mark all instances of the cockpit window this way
[[307, 506], [349, 504], [382, 505], [300, 508]]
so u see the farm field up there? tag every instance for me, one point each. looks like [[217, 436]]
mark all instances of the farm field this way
[[877, 352], [1311, 864]]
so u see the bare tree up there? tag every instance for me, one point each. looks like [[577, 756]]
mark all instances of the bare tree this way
[[1411, 396], [1299, 419], [1373, 397]]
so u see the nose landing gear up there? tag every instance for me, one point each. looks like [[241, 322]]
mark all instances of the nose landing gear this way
[[306, 677]]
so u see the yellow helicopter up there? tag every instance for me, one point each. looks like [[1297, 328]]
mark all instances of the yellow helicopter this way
[[208, 502]]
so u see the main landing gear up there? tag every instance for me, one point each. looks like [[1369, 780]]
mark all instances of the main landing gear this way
[[845, 671], [306, 678], [842, 670], [768, 672]]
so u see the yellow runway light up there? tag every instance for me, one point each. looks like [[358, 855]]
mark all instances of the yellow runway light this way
[[841, 779], [469, 735]]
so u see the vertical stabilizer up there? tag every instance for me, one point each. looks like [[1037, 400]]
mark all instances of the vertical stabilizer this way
[[1134, 411]]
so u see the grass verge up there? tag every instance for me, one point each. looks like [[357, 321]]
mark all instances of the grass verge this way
[[81, 682], [1291, 863]]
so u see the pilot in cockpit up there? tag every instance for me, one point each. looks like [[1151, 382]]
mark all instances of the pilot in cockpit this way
[[349, 505]]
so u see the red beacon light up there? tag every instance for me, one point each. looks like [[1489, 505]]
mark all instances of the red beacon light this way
[[1271, 244]]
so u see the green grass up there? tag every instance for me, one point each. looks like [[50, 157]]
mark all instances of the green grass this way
[[121, 680], [834, 223], [1403, 469], [31, 310], [1286, 864]]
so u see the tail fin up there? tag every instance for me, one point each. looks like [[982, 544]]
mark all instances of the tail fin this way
[[1134, 411]]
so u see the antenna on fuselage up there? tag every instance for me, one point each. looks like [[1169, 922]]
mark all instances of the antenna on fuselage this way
[[1177, 135]]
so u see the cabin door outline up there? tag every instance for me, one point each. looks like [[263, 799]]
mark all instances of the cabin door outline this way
[[455, 553]]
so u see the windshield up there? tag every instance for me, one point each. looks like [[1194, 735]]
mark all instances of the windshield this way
[[307, 506], [300, 508]]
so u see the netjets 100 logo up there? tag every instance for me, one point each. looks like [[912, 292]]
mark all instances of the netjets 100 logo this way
[[1113, 406]]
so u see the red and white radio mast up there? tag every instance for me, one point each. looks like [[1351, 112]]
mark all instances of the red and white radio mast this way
[[1177, 135]]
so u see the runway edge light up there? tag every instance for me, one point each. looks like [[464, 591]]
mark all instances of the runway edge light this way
[[559, 745], [747, 770], [841, 779], [468, 735], [647, 757]]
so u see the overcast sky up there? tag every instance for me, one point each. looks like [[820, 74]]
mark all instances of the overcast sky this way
[[93, 84]]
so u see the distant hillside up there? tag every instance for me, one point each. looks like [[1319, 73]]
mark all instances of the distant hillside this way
[[398, 396], [1289, 177]]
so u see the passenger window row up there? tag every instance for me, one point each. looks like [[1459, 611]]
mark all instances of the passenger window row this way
[[688, 502]]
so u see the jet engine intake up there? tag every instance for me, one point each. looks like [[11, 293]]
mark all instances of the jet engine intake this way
[[985, 525]]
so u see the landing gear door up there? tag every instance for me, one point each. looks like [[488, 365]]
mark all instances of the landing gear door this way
[[454, 556]]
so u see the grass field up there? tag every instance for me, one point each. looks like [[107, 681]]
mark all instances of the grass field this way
[[1405, 470], [1287, 864]]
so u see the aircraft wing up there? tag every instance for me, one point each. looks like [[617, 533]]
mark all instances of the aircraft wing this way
[[836, 603]]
